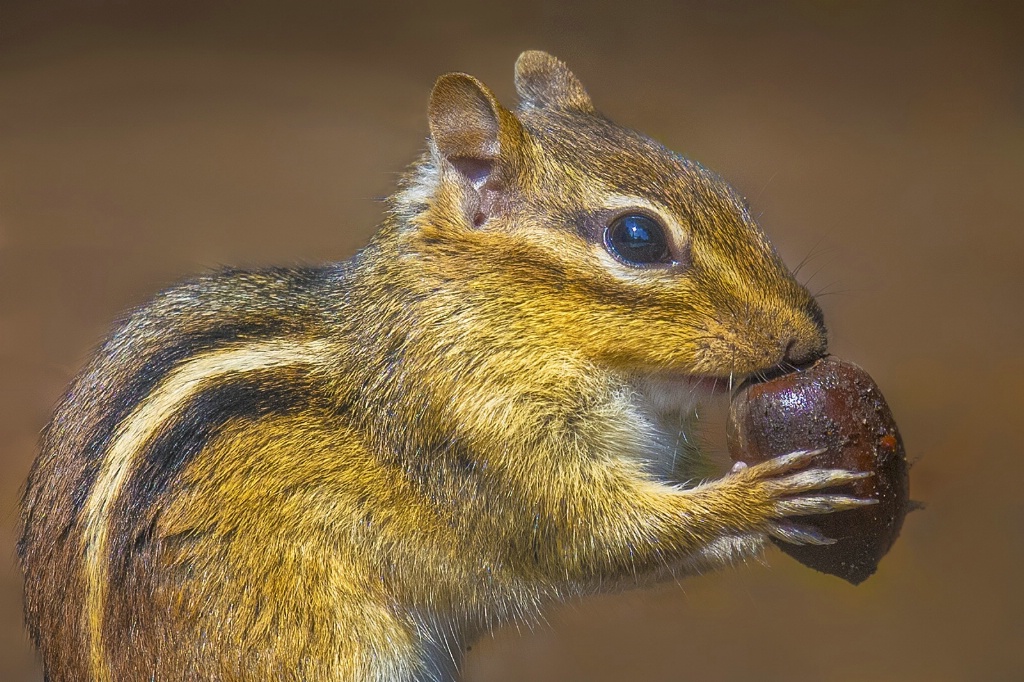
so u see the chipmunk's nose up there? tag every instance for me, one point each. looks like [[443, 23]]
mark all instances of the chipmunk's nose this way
[[810, 342], [800, 352]]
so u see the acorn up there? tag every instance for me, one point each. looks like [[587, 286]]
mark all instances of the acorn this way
[[834, 406]]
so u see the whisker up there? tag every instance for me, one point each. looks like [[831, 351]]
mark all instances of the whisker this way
[[761, 191], [811, 255]]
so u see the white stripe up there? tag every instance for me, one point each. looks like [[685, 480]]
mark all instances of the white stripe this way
[[134, 433]]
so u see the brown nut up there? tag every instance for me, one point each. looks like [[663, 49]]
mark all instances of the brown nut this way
[[834, 405]]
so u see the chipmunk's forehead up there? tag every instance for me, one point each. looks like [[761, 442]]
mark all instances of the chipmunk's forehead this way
[[629, 163]]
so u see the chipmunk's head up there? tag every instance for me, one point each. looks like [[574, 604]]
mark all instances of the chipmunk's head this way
[[566, 227]]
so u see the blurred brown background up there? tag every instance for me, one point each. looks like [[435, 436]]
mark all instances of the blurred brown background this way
[[143, 142]]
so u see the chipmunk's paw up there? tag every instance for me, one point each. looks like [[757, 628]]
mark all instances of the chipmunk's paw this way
[[784, 487]]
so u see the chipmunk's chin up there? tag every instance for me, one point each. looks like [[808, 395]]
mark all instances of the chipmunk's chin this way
[[710, 385], [678, 391], [706, 385]]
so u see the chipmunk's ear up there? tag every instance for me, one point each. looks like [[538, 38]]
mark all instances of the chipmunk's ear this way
[[481, 139], [544, 82]]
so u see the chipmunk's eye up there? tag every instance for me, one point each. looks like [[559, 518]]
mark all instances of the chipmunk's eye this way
[[637, 239]]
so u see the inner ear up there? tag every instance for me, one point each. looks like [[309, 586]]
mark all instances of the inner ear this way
[[485, 195], [476, 135], [477, 171]]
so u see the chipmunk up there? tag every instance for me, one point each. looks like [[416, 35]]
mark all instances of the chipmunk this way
[[350, 472]]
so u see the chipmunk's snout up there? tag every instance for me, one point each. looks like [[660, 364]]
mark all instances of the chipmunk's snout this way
[[810, 341]]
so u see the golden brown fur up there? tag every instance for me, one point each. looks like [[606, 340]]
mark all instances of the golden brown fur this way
[[349, 472]]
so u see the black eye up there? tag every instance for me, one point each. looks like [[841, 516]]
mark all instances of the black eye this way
[[637, 240]]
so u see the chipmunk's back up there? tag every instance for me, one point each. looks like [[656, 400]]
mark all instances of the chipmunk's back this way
[[74, 495]]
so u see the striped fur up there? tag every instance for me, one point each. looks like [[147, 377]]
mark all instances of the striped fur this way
[[136, 432]]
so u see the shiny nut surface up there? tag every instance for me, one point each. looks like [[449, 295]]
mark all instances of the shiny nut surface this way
[[835, 405]]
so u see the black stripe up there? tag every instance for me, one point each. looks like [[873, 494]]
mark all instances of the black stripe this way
[[139, 386], [286, 289], [169, 453]]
